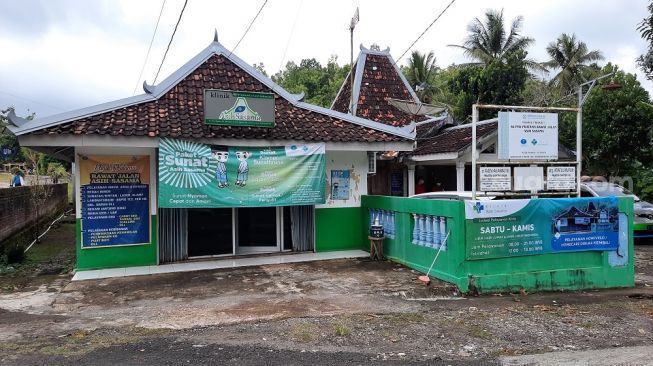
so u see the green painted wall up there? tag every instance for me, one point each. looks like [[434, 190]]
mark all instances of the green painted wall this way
[[559, 271], [124, 256], [339, 229]]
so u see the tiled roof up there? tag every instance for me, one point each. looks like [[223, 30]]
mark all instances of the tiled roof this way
[[179, 113], [453, 139], [376, 80]]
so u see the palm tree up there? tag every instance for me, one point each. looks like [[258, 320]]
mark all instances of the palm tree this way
[[420, 72], [572, 58], [488, 41]]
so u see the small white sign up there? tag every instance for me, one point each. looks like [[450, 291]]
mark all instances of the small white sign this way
[[528, 136], [495, 179], [529, 178], [561, 178]]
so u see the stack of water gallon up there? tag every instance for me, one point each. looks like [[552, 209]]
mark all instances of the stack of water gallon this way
[[386, 219], [429, 231]]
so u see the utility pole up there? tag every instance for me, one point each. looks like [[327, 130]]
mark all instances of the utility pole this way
[[352, 25]]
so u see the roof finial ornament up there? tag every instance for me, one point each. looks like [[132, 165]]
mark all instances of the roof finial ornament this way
[[149, 89], [215, 36]]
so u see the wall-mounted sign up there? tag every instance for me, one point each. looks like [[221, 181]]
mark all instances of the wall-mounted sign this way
[[340, 184], [234, 108], [115, 194], [561, 178], [528, 136], [529, 178], [495, 179], [192, 174], [506, 228]]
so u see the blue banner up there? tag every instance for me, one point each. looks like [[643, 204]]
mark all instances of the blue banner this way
[[115, 214]]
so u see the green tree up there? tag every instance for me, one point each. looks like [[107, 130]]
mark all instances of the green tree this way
[[571, 59], [488, 40], [498, 82], [616, 127], [420, 73], [319, 83], [645, 61]]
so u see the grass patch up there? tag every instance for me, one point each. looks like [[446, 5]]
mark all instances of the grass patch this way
[[405, 318], [305, 332], [478, 332], [342, 330]]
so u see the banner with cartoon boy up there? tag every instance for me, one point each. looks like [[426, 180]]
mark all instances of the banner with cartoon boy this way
[[192, 174]]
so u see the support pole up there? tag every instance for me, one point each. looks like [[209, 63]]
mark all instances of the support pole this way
[[460, 175], [474, 121], [411, 180], [579, 139], [351, 73]]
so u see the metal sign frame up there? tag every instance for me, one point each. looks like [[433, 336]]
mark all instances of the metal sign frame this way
[[579, 139]]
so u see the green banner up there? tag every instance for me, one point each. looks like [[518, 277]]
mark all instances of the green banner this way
[[192, 174], [506, 228]]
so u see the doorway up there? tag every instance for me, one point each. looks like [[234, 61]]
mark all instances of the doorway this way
[[210, 232], [257, 230]]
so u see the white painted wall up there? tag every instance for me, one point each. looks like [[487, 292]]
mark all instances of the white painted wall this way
[[356, 163], [87, 150]]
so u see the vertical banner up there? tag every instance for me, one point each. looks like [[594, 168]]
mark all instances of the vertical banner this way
[[192, 175], [506, 228], [115, 193]]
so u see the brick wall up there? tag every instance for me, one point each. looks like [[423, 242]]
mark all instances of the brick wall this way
[[17, 213]]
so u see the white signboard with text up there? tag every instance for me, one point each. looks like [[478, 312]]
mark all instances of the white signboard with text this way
[[561, 178], [495, 179], [528, 136]]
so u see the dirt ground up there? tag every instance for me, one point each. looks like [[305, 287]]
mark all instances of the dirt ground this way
[[353, 309]]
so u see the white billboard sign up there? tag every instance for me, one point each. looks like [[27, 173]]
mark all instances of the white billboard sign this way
[[561, 178], [528, 136], [529, 178], [495, 179]]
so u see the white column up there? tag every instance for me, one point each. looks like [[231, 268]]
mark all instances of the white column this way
[[411, 180], [460, 175]]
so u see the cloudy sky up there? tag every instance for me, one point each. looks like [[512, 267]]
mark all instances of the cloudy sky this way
[[59, 55]]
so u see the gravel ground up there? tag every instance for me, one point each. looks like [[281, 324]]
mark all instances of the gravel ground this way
[[331, 312]]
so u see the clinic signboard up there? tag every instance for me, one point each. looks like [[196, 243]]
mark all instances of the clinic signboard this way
[[235, 108], [495, 179], [196, 175], [508, 228], [115, 198], [527, 136]]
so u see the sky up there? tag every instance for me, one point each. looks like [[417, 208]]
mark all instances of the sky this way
[[61, 55]]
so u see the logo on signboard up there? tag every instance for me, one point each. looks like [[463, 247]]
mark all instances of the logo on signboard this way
[[240, 111], [478, 207]]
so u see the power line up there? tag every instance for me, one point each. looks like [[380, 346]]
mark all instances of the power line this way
[[426, 30], [31, 100], [292, 31], [156, 27], [171, 38], [248, 27]]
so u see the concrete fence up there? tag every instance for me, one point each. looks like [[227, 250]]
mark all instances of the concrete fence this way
[[418, 228], [17, 209]]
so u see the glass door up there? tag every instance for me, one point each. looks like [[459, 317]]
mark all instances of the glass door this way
[[257, 230]]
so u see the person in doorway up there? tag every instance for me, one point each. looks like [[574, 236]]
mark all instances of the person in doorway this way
[[437, 187], [17, 179], [243, 167], [420, 187]]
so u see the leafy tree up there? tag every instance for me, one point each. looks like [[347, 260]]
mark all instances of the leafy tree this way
[[571, 57], [616, 126], [420, 73], [319, 83], [645, 61], [499, 82], [488, 40], [260, 68], [56, 172]]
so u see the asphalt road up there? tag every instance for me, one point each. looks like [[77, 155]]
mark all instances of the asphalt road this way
[[167, 351]]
